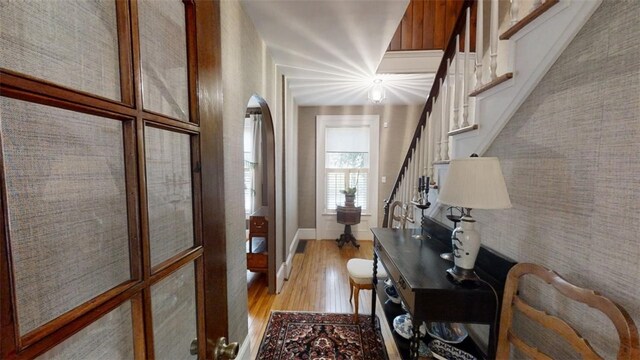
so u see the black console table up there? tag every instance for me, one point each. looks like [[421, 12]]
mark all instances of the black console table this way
[[419, 275]]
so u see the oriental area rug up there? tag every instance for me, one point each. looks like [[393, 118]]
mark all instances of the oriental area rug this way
[[321, 336]]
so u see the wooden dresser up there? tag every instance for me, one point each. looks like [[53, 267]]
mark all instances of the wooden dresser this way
[[419, 275], [257, 244]]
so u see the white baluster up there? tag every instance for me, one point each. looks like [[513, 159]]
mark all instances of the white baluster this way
[[423, 150], [479, 43], [493, 39], [436, 127], [446, 121], [514, 11], [465, 77], [456, 86]]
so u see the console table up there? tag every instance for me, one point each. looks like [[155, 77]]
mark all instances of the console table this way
[[419, 274]]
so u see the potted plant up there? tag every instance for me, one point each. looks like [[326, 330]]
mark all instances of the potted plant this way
[[349, 195]]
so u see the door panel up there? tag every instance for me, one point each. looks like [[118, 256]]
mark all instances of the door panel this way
[[173, 302], [169, 193], [102, 239], [66, 196], [163, 54], [109, 338], [73, 43]]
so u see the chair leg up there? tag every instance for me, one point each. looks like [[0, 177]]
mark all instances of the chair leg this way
[[350, 290], [357, 296]]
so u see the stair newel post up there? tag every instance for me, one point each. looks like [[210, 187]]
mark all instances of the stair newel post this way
[[436, 126], [446, 115], [465, 77], [479, 42], [456, 87], [513, 11], [385, 214], [493, 39], [423, 152]]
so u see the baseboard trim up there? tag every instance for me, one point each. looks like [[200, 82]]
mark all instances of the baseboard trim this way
[[280, 277], [292, 252], [307, 234], [244, 353]]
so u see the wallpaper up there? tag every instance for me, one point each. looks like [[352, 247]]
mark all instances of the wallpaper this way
[[570, 160]]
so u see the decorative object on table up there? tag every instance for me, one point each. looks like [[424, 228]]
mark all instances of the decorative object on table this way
[[361, 278], [443, 351], [403, 325], [453, 333], [420, 200], [455, 219], [399, 218], [388, 283], [472, 183], [349, 196], [305, 335], [393, 295]]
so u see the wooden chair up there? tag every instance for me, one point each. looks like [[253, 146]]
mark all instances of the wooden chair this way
[[627, 331]]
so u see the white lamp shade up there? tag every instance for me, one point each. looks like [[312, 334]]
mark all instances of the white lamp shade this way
[[475, 183]]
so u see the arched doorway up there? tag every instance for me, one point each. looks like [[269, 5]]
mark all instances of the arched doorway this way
[[260, 189]]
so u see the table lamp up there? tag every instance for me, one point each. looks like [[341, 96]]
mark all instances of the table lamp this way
[[471, 183]]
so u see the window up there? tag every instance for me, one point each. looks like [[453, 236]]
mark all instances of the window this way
[[346, 165]]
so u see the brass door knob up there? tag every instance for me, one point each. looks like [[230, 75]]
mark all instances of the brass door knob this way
[[224, 350]]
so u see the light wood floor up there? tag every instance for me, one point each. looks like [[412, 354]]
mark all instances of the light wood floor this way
[[319, 282]]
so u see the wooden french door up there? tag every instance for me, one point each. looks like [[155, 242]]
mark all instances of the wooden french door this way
[[108, 129]]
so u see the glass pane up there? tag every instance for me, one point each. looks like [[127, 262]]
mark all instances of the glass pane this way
[[108, 338], [73, 43], [360, 180], [173, 306], [163, 53], [170, 199], [346, 160], [66, 197], [335, 184]]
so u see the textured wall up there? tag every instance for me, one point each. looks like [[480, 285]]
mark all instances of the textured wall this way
[[247, 69], [570, 159], [394, 141]]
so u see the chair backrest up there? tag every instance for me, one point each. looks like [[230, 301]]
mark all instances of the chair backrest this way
[[627, 331], [393, 217]]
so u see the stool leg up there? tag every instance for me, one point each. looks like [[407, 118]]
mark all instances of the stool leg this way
[[357, 296]]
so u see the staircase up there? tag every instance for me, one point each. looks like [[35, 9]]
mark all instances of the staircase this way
[[480, 84]]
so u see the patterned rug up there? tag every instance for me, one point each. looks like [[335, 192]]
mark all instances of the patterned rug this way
[[321, 336]]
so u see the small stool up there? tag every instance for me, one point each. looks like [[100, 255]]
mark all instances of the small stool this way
[[361, 277]]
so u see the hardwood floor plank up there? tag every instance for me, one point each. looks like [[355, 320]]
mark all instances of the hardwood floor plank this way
[[319, 283]]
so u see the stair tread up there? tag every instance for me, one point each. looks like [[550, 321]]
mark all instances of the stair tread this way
[[528, 19], [491, 84]]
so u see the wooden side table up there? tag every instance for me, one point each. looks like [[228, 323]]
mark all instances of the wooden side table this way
[[348, 215]]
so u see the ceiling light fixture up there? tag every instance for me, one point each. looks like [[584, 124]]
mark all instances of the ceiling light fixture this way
[[376, 92]]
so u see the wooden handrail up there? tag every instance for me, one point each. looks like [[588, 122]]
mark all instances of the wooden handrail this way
[[449, 53]]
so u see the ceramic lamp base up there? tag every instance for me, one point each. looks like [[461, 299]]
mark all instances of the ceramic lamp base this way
[[459, 274]]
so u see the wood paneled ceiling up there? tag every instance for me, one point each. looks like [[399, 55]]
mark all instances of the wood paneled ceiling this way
[[427, 25]]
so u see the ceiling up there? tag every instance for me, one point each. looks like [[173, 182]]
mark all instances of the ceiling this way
[[330, 50]]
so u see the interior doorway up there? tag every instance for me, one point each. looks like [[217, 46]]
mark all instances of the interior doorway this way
[[259, 190]]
